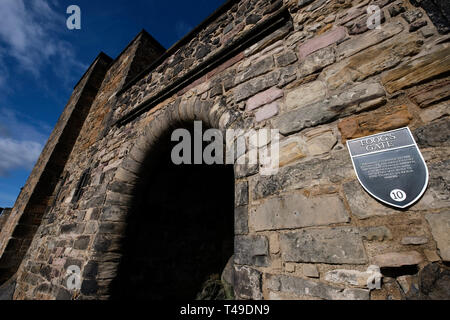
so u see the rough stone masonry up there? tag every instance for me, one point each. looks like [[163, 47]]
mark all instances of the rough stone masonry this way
[[310, 68]]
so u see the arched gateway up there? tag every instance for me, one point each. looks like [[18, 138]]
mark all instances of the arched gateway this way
[[179, 230]]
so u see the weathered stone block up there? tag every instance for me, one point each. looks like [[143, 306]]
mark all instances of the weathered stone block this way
[[121, 187], [435, 134], [274, 242], [251, 87], [305, 117], [374, 122], [440, 229], [362, 204], [245, 169], [256, 69], [357, 94], [348, 277], [303, 3], [379, 233], [398, 259], [435, 112], [305, 95], [64, 294], [241, 193], [111, 227], [304, 287], [407, 283], [418, 70], [81, 243], [334, 168], [286, 59], [328, 109], [373, 37], [340, 245], [372, 61], [360, 25], [263, 98], [413, 15], [114, 213], [296, 211], [321, 41], [319, 141], [437, 195], [251, 250], [247, 283], [431, 255], [241, 220], [414, 240], [310, 271], [396, 9], [416, 25], [431, 93], [268, 111], [317, 61], [72, 228], [351, 14], [291, 150]]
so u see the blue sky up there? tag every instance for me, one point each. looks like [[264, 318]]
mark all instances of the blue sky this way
[[41, 61]]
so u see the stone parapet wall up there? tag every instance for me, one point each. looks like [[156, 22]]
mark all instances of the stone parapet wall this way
[[310, 231], [4, 215], [36, 195]]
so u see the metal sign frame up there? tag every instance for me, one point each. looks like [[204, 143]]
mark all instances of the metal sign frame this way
[[396, 192]]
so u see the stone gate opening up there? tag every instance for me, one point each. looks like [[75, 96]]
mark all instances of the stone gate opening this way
[[180, 228]]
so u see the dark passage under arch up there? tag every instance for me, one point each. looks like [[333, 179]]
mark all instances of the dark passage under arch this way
[[180, 229]]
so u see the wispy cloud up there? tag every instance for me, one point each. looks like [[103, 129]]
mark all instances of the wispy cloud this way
[[30, 35], [16, 154], [21, 140], [182, 28]]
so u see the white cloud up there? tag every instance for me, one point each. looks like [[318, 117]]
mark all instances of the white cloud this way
[[18, 154], [29, 34], [21, 140], [19, 126]]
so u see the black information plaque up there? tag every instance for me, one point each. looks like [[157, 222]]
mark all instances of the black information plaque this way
[[390, 167]]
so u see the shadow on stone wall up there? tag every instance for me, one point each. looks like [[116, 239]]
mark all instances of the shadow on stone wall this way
[[179, 231]]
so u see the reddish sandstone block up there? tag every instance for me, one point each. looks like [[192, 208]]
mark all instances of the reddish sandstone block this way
[[321, 41], [266, 112], [263, 98]]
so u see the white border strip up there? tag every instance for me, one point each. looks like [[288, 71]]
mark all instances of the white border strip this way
[[366, 154], [376, 134]]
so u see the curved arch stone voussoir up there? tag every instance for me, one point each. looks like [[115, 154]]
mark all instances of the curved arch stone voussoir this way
[[172, 110], [190, 110], [169, 117]]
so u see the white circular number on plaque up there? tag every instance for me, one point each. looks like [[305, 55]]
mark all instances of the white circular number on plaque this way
[[398, 195]]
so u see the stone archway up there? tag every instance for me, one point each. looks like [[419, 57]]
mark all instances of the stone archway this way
[[166, 244]]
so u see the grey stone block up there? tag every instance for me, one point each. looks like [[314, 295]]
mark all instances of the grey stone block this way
[[304, 287], [251, 250], [295, 211], [340, 245]]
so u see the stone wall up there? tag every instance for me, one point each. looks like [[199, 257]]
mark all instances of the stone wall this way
[[80, 124], [313, 70], [4, 214], [36, 195]]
